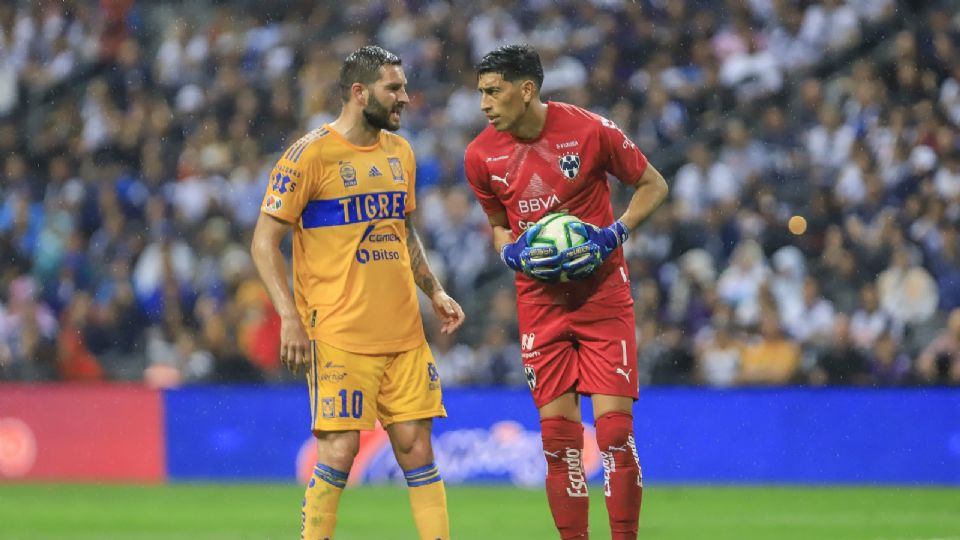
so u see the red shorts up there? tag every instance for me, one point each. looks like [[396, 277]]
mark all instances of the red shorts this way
[[591, 349]]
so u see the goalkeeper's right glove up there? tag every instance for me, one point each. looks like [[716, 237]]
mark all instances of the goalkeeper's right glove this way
[[540, 263]]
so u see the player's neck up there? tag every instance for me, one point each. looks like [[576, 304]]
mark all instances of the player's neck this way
[[355, 130], [530, 125]]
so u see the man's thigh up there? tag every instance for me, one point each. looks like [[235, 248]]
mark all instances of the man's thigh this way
[[547, 351], [607, 349], [343, 388], [410, 389]]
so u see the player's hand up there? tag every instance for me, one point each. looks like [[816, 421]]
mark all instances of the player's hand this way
[[578, 262], [295, 348], [541, 263], [606, 239], [448, 310]]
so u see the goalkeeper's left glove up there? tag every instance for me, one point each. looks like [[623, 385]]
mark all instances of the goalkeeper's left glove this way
[[601, 242], [541, 263]]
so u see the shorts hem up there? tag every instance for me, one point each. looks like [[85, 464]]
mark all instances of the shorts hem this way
[[572, 387], [436, 413], [589, 393], [345, 427]]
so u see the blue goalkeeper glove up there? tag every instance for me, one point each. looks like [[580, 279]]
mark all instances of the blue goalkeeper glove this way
[[540, 263], [580, 261]]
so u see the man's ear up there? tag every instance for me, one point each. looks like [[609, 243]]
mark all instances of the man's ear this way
[[360, 92], [528, 90]]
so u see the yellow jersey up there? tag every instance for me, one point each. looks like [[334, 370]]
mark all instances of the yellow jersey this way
[[353, 284]]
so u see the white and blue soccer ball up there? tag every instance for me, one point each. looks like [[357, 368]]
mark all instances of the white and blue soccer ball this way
[[556, 231]]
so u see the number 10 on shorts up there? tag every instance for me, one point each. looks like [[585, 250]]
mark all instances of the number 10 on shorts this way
[[348, 408]]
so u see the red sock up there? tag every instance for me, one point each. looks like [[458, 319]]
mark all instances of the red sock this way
[[566, 481], [622, 478]]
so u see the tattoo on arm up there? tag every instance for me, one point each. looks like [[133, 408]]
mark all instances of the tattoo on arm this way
[[422, 275]]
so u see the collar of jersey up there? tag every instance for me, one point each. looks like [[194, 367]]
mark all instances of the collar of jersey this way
[[543, 130], [352, 146]]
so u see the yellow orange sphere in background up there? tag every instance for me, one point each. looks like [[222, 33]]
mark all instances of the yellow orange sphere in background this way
[[797, 225]]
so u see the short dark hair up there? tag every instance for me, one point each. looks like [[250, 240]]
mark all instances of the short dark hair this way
[[363, 66], [514, 62]]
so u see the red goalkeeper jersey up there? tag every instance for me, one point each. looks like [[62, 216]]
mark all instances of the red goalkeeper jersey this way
[[564, 169]]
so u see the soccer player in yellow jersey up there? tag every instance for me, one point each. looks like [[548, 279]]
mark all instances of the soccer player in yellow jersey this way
[[352, 322]]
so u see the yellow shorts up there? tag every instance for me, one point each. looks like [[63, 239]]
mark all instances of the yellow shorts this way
[[351, 391]]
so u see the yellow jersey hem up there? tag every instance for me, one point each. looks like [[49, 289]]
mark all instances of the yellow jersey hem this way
[[385, 347]]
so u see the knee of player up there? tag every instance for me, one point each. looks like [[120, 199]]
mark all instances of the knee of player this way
[[338, 448], [615, 428], [413, 449]]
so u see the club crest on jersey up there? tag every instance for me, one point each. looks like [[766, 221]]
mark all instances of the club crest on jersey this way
[[348, 174], [434, 375], [396, 169], [328, 408], [570, 165], [531, 377]]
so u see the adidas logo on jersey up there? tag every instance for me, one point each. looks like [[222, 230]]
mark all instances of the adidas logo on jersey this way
[[374, 171]]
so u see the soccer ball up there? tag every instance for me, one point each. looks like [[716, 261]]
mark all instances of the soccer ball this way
[[555, 231]]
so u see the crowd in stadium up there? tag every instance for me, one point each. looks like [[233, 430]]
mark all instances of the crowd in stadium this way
[[136, 146]]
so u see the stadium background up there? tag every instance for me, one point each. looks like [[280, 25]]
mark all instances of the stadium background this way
[[136, 136]]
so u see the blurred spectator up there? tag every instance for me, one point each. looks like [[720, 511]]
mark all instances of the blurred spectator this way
[[869, 322], [940, 361], [674, 363], [813, 322], [791, 50], [703, 182], [718, 353], [76, 362], [742, 155], [907, 291], [496, 360], [786, 282], [845, 279], [841, 362], [772, 358], [753, 72], [689, 295], [888, 366], [460, 226], [28, 330], [455, 361], [831, 24], [739, 285], [829, 143]]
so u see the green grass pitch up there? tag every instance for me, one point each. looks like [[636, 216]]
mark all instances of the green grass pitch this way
[[270, 511]]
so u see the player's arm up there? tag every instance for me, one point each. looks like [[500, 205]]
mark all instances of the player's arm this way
[[501, 230], [446, 308], [265, 250], [627, 163], [651, 191], [602, 241]]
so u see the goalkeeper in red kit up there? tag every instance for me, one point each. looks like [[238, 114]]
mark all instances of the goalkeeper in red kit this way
[[577, 337]]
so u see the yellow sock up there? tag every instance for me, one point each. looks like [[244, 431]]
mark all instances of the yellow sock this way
[[428, 500], [319, 514]]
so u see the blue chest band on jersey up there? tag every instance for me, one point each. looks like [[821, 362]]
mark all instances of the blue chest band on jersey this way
[[358, 208]]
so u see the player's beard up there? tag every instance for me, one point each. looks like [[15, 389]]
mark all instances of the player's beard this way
[[378, 116]]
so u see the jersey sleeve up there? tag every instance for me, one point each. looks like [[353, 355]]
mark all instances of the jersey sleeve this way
[[479, 181], [624, 159], [289, 184], [410, 170]]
